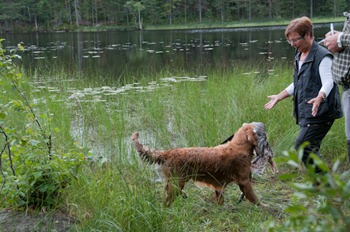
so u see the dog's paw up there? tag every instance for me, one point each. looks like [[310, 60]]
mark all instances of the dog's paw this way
[[263, 205]]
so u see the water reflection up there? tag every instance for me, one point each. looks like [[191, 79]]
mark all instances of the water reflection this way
[[114, 54]]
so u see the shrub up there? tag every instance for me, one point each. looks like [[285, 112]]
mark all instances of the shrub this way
[[321, 202], [32, 172]]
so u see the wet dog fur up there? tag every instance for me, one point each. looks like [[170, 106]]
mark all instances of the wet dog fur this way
[[214, 167]]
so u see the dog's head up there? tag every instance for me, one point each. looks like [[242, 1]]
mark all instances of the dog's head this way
[[259, 137]]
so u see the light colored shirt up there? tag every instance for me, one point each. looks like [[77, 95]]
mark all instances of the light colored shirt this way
[[325, 70]]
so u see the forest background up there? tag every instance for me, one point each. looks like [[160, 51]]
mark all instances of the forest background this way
[[70, 15]]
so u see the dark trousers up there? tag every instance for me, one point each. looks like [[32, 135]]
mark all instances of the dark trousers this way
[[314, 134]]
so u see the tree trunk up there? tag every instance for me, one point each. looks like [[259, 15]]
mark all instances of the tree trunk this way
[[140, 21], [29, 15], [311, 8], [185, 11], [77, 13], [92, 14], [250, 10], [36, 22], [222, 12], [96, 14], [200, 10], [127, 18], [68, 7], [171, 13]]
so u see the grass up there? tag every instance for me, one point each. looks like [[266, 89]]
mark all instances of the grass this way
[[118, 192]]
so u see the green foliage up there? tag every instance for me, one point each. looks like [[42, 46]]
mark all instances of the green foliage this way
[[321, 202], [121, 193], [32, 172], [63, 15]]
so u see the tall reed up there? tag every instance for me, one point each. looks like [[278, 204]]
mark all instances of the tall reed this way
[[117, 192]]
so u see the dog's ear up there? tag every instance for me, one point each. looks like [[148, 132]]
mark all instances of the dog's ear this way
[[250, 133]]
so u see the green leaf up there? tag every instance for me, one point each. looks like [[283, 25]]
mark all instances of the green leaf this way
[[293, 163], [43, 188], [37, 175], [286, 176], [302, 186], [34, 142], [295, 209], [335, 166]]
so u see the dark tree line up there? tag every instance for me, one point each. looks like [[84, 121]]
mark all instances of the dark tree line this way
[[48, 14]]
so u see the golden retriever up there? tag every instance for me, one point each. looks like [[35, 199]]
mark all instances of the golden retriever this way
[[214, 167]]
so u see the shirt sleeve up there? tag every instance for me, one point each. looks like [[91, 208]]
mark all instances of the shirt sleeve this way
[[325, 70], [290, 89], [345, 39]]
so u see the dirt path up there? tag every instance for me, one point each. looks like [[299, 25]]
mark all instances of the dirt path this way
[[16, 221]]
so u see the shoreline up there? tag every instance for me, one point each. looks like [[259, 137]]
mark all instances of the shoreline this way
[[179, 27]]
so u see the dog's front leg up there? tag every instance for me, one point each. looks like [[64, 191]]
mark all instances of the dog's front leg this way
[[241, 198], [247, 190]]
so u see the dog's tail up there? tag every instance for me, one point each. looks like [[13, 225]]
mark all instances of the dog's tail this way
[[149, 155]]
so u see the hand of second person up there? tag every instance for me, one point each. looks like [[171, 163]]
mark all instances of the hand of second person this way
[[330, 33], [331, 42]]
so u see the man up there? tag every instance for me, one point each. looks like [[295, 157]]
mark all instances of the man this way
[[338, 43]]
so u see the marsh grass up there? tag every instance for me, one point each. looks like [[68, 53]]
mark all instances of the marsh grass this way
[[118, 192]]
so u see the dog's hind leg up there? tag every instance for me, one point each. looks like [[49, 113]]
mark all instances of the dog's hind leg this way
[[171, 194], [182, 186], [174, 188], [218, 196]]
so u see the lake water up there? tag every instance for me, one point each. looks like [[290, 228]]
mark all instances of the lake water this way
[[111, 54]]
